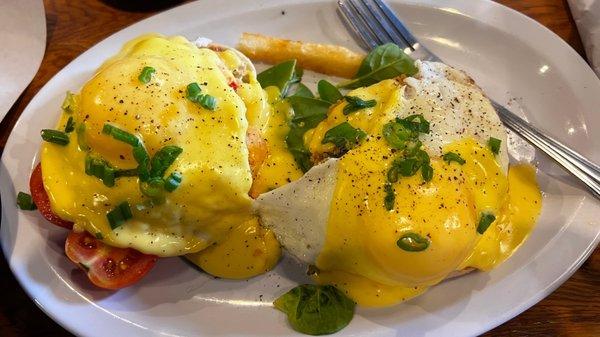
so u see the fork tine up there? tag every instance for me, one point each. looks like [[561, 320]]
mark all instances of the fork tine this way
[[397, 24], [364, 25], [356, 25], [370, 22], [386, 25]]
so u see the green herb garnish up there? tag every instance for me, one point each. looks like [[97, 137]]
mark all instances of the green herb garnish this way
[[208, 102], [119, 215], [25, 202], [163, 159], [173, 181], [344, 136], [303, 91], [384, 62], [494, 144], [69, 104], [390, 196], [328, 92], [70, 126], [55, 136], [427, 172], [316, 309], [146, 74], [121, 135], [452, 156], [194, 94], [412, 242], [485, 220], [100, 169], [282, 76], [81, 141], [99, 236], [142, 157], [154, 189], [308, 112], [356, 103]]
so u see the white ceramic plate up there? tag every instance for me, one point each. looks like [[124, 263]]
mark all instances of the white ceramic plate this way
[[512, 57]]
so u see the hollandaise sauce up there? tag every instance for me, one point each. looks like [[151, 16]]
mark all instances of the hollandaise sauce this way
[[209, 196], [380, 257]]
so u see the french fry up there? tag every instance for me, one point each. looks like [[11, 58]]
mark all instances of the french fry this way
[[322, 58]]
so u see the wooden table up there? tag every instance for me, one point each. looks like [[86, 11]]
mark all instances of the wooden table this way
[[75, 26]]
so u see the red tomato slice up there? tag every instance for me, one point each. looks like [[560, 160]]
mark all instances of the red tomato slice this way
[[41, 199], [107, 267]]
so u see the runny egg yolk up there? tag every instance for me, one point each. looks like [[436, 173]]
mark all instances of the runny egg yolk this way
[[361, 255], [213, 195]]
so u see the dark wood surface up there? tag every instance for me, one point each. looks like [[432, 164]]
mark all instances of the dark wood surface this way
[[74, 26]]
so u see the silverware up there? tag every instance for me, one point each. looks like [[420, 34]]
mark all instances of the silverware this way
[[374, 23]]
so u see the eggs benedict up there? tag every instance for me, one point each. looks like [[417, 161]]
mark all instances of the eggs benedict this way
[[421, 189], [156, 156]]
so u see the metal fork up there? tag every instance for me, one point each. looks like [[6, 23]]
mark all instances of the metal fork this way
[[374, 23]]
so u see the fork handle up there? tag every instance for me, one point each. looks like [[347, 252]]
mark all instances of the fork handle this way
[[586, 171]]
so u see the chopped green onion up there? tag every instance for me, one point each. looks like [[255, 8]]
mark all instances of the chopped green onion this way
[[416, 123], [208, 102], [173, 181], [70, 125], [119, 215], [143, 159], [69, 104], [427, 172], [55, 136], [99, 236], [412, 242], [25, 202], [163, 159], [356, 103], [344, 136], [494, 144], [194, 92], [397, 135], [153, 188], [81, 141], [452, 156], [121, 135], [485, 220], [100, 169], [126, 173], [146, 74], [390, 197], [393, 174]]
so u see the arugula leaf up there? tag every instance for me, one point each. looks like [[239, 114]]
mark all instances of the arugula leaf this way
[[315, 309], [328, 92], [357, 103], [384, 62], [281, 75], [344, 136], [303, 91], [308, 112]]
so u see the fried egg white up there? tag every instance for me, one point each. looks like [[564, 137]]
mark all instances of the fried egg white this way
[[334, 217]]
